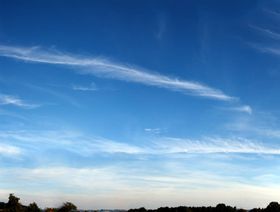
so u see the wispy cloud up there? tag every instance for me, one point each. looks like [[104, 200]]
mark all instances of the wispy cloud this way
[[161, 26], [68, 141], [153, 130], [272, 12], [16, 101], [9, 150], [91, 87], [244, 109], [214, 145], [266, 32], [271, 132], [261, 124], [109, 69], [270, 50], [55, 93], [90, 145]]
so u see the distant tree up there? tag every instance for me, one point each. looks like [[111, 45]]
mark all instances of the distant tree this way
[[142, 209], [163, 209], [273, 207], [223, 208], [33, 207], [240, 210], [2, 205], [67, 207], [13, 204]]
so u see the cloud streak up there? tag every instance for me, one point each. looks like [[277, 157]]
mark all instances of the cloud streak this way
[[9, 150], [210, 145], [267, 32], [88, 146], [13, 100], [244, 109], [106, 68], [270, 50], [91, 87]]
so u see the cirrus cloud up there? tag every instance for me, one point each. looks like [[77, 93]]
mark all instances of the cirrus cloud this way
[[108, 69]]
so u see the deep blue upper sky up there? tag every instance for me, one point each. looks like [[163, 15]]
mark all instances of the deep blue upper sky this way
[[119, 104]]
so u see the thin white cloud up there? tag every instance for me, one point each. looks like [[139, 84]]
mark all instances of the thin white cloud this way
[[272, 12], [53, 92], [271, 50], [262, 124], [70, 141], [13, 100], [91, 87], [89, 146], [153, 130], [215, 145], [244, 109], [9, 150], [267, 32], [274, 133], [161, 26], [106, 68]]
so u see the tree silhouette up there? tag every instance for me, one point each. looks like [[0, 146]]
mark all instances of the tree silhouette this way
[[13, 204], [273, 207], [67, 207], [33, 207]]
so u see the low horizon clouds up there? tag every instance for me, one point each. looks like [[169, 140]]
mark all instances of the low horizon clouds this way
[[106, 182], [105, 68]]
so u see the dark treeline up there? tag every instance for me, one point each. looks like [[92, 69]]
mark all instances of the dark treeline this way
[[13, 205], [272, 207]]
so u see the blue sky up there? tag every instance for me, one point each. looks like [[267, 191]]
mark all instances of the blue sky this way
[[121, 104]]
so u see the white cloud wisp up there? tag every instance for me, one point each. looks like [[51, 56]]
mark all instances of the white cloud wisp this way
[[89, 146], [13, 100], [212, 145], [91, 87], [244, 109], [106, 68]]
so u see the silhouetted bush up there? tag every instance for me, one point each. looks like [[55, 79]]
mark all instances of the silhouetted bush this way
[[67, 207], [33, 207], [273, 207]]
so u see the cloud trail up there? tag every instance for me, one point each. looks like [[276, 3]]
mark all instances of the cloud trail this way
[[267, 32], [91, 87], [105, 68], [270, 50], [13, 100], [90, 145], [244, 109], [9, 150], [214, 145]]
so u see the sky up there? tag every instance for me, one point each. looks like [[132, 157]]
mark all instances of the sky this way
[[124, 104]]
